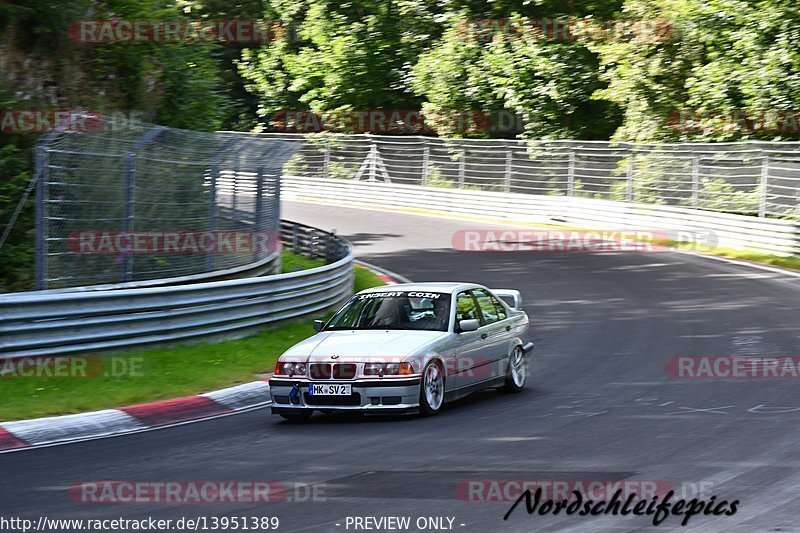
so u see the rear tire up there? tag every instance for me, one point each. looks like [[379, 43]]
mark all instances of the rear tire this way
[[431, 390], [297, 417], [517, 372]]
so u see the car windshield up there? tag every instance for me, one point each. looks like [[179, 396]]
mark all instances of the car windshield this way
[[394, 310]]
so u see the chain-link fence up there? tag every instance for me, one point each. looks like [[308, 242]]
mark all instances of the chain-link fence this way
[[99, 192], [138, 202], [752, 178]]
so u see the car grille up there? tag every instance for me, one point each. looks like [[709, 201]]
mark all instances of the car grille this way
[[335, 371], [344, 371], [320, 371], [316, 399]]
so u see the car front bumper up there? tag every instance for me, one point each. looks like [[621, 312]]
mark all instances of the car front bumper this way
[[387, 395]]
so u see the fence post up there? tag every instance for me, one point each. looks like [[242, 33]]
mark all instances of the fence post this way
[[259, 214], [234, 202], [130, 198], [509, 160], [373, 161], [326, 161], [426, 152], [762, 202], [462, 169], [130, 192], [695, 182], [212, 213], [571, 174], [212, 200], [629, 178], [41, 217]]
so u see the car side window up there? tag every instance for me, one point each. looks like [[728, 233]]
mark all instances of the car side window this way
[[501, 311], [491, 309], [466, 308]]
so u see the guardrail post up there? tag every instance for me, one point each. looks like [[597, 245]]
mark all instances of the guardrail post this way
[[330, 241], [314, 235], [41, 217], [695, 182], [762, 202], [426, 152], [295, 239], [509, 160], [571, 175]]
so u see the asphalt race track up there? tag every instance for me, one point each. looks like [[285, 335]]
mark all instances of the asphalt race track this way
[[600, 404]]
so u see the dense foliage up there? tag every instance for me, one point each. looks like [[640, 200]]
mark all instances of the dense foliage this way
[[186, 85], [629, 69]]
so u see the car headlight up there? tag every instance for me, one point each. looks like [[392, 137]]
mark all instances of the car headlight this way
[[388, 369], [290, 369]]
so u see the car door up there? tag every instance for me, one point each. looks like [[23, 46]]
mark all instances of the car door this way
[[471, 348], [498, 332]]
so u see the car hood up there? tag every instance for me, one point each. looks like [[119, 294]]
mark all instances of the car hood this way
[[354, 345]]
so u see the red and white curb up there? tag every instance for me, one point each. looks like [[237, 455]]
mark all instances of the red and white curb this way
[[133, 418], [52, 430]]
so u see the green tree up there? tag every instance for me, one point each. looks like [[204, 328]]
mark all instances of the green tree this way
[[340, 56], [722, 55], [522, 63]]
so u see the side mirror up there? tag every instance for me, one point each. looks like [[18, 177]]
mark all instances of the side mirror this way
[[318, 325], [468, 325]]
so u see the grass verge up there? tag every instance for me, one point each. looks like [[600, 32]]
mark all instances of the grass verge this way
[[789, 261], [292, 262], [143, 375]]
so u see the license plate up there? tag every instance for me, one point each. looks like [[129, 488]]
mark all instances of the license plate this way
[[330, 389]]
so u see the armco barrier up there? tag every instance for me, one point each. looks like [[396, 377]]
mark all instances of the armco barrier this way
[[735, 231], [63, 322]]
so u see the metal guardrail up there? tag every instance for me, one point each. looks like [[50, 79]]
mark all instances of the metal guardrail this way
[[59, 323], [723, 229]]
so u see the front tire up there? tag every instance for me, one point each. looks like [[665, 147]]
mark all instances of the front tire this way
[[517, 372], [431, 392]]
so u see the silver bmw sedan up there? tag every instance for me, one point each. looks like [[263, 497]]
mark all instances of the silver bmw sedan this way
[[406, 348]]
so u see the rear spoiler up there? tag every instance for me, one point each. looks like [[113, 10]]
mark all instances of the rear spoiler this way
[[511, 297]]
